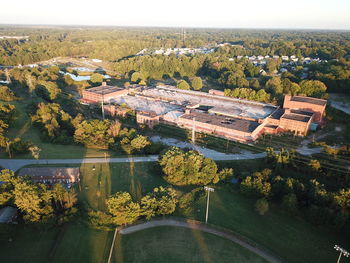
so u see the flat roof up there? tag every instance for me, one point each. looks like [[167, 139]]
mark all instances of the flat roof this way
[[296, 117], [223, 121], [309, 100], [104, 89], [307, 113], [219, 104], [277, 114]]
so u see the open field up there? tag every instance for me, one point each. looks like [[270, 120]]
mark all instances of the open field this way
[[182, 245], [23, 128], [297, 240]]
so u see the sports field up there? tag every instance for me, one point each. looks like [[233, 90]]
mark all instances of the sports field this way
[[291, 238]]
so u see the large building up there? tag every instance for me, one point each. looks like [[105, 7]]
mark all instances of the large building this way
[[102, 93], [306, 104], [216, 114]]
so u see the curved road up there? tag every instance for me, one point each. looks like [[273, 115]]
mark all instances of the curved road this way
[[205, 228]]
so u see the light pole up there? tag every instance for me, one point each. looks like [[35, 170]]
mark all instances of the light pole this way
[[342, 252], [208, 189]]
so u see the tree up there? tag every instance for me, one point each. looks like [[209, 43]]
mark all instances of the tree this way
[[6, 94], [48, 90], [94, 133], [190, 168], [140, 142], [262, 206], [182, 84], [257, 184], [197, 83], [96, 78], [123, 209], [274, 85], [290, 202], [136, 77], [315, 165], [162, 201], [313, 88], [35, 151]]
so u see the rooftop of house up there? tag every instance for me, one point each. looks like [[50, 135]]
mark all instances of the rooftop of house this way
[[296, 117], [309, 100], [222, 121]]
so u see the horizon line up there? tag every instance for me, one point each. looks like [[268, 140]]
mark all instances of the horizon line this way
[[187, 27]]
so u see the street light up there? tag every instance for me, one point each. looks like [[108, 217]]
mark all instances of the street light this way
[[208, 189], [342, 252]]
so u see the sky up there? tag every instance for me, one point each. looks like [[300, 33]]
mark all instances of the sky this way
[[298, 14]]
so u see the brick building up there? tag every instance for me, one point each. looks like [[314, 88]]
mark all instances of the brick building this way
[[149, 119], [306, 104], [228, 127], [102, 93]]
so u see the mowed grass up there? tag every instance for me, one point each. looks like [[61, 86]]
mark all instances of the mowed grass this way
[[290, 238], [175, 244], [23, 128]]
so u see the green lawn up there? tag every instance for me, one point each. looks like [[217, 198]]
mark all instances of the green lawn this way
[[291, 238], [174, 244], [24, 129]]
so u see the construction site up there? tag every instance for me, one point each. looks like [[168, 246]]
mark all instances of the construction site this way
[[212, 113]]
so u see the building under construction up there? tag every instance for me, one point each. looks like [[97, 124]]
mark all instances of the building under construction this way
[[212, 113]]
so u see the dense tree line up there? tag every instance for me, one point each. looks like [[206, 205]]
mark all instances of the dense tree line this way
[[323, 197], [123, 210]]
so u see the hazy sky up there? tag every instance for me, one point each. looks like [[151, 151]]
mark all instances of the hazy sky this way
[[320, 14]]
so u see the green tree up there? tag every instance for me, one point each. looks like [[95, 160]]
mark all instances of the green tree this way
[[162, 201], [136, 77], [197, 83], [262, 206], [139, 142], [290, 202], [6, 94], [123, 209], [182, 84], [190, 168], [96, 78]]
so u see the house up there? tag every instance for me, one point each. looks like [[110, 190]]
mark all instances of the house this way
[[52, 175]]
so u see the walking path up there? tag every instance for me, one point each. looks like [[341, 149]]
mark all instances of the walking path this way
[[205, 228], [15, 164]]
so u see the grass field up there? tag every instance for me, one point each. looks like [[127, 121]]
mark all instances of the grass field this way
[[181, 245], [288, 237], [24, 129]]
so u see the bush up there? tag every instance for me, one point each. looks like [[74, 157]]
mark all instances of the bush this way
[[262, 206]]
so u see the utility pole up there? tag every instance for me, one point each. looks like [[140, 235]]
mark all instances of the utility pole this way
[[103, 98], [112, 246], [8, 79], [208, 189], [193, 130], [343, 252]]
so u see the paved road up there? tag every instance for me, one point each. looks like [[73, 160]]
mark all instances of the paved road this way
[[205, 228], [15, 164]]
